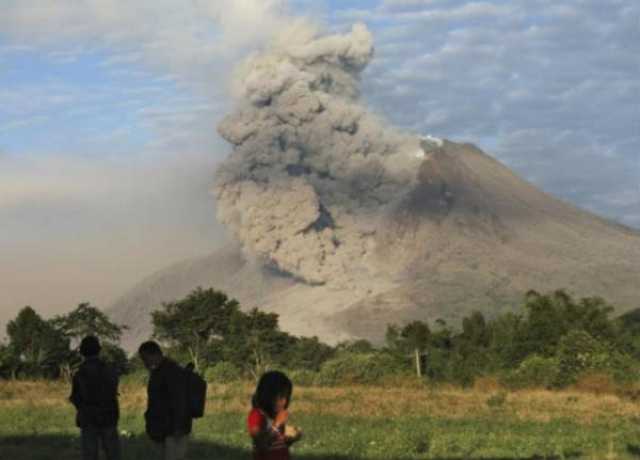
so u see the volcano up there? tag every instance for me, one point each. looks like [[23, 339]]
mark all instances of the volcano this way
[[471, 235], [343, 224]]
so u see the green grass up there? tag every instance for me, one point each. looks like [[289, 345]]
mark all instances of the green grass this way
[[361, 423], [32, 433]]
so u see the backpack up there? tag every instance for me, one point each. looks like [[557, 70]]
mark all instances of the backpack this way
[[196, 392]]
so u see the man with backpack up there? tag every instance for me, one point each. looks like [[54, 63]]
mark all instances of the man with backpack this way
[[94, 393], [170, 406]]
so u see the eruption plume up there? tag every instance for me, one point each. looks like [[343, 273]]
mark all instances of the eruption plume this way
[[312, 171]]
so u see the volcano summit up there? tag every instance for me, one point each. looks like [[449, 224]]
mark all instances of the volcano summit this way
[[343, 224]]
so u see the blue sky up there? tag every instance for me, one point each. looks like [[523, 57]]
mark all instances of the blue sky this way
[[108, 111]]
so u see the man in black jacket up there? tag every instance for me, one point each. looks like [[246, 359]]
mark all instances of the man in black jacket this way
[[168, 417], [94, 393]]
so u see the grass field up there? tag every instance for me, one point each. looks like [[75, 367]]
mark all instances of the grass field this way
[[36, 423]]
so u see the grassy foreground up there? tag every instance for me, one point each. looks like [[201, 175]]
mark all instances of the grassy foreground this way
[[36, 423]]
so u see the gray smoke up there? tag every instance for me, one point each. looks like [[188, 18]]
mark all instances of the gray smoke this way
[[312, 170]]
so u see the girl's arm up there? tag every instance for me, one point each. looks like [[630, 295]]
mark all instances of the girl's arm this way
[[263, 436]]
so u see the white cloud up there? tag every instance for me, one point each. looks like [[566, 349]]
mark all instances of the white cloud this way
[[122, 58], [489, 71], [189, 39], [85, 226], [22, 122]]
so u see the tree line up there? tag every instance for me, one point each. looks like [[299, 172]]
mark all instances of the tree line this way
[[550, 340]]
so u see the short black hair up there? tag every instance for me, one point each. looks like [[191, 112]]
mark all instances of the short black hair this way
[[90, 346], [150, 348], [272, 384]]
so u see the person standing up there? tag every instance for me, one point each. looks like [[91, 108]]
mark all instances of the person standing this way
[[94, 393], [268, 420], [168, 416]]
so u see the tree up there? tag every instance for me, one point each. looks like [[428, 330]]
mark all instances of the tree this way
[[116, 357], [413, 338], [475, 335], [193, 323], [37, 344], [545, 323], [9, 363], [88, 320], [258, 339], [505, 349], [308, 353], [417, 335], [361, 346]]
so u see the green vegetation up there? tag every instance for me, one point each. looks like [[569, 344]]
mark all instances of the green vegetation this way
[[36, 423], [551, 342], [39, 348], [354, 400]]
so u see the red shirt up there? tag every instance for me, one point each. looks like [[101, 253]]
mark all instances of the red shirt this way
[[277, 448]]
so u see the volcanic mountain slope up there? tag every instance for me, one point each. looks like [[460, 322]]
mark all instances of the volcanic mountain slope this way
[[226, 270], [345, 224], [470, 235]]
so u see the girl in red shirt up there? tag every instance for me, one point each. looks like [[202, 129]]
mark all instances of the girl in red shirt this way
[[267, 421]]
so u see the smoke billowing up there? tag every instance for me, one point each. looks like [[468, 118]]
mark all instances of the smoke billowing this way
[[311, 170]]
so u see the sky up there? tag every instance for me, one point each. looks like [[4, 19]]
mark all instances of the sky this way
[[108, 110]]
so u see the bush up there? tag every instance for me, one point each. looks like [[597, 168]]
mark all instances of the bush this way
[[578, 352], [223, 372], [303, 377], [461, 371], [137, 378], [622, 368], [359, 368], [534, 371]]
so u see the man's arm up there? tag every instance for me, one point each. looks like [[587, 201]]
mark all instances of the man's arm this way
[[115, 380], [75, 397]]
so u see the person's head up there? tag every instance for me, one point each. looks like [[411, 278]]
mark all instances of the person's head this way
[[90, 346], [273, 393], [151, 354]]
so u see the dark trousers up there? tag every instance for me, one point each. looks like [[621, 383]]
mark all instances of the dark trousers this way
[[92, 437]]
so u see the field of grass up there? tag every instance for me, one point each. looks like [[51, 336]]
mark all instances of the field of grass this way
[[419, 422]]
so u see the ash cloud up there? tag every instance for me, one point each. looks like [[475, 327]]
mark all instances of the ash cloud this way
[[312, 170]]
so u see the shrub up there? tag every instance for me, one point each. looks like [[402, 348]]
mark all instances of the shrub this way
[[577, 352], [223, 372], [461, 371], [136, 378], [359, 368], [622, 368], [303, 377], [534, 371]]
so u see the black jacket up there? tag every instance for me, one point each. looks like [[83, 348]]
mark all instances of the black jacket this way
[[167, 407], [94, 393]]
